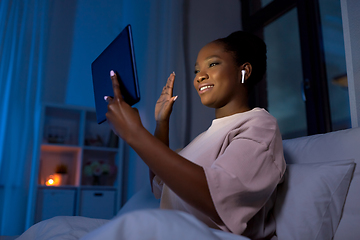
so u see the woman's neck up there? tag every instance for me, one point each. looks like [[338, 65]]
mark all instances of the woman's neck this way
[[228, 111]]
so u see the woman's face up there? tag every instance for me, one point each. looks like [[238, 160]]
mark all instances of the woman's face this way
[[217, 78]]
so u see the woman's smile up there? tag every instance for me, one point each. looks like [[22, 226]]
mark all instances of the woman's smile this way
[[205, 87]]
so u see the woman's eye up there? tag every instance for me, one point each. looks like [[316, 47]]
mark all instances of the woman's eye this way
[[196, 71], [213, 64]]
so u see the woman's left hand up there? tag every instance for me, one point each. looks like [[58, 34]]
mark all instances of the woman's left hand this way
[[123, 119]]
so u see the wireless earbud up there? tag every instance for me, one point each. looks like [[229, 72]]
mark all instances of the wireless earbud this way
[[243, 76]]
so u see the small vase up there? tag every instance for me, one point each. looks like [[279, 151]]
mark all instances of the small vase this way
[[100, 180], [96, 181]]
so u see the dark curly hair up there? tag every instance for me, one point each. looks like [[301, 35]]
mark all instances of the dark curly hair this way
[[247, 47]]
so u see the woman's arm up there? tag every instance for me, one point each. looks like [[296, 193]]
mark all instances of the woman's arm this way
[[161, 133], [185, 178]]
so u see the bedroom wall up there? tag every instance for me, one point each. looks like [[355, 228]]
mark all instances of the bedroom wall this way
[[78, 31], [207, 21], [97, 23], [62, 15]]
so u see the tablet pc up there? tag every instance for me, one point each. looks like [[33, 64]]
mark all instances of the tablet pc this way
[[118, 56]]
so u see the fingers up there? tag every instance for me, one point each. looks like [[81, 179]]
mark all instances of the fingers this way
[[171, 83], [171, 103], [115, 85], [168, 88]]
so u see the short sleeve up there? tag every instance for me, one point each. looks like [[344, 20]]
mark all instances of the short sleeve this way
[[157, 186], [244, 176]]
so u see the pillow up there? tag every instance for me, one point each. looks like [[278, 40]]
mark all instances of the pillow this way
[[309, 202]]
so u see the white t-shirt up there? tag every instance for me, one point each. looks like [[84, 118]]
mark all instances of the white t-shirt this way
[[243, 161]]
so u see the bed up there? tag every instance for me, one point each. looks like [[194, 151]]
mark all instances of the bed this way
[[317, 200]]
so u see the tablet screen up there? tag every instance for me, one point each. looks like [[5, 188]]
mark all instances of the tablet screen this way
[[118, 56]]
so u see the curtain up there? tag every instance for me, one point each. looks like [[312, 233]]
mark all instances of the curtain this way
[[22, 31]]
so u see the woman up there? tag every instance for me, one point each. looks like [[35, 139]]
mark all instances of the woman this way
[[227, 176]]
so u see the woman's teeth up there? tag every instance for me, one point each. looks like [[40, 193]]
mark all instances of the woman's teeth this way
[[205, 87]]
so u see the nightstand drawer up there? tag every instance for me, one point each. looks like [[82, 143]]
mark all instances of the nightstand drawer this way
[[55, 202], [97, 203]]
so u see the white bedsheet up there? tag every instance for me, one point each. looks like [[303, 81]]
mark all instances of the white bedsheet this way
[[144, 224]]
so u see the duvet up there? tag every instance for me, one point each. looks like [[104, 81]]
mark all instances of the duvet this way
[[142, 224]]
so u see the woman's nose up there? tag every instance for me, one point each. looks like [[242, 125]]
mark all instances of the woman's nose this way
[[202, 77]]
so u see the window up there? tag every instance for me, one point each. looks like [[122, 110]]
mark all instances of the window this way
[[302, 89]]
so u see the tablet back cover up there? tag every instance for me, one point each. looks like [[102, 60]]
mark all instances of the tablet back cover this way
[[118, 56]]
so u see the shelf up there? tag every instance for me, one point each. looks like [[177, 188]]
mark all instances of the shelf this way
[[71, 140], [58, 187], [99, 135], [61, 126], [53, 156], [99, 162], [106, 149], [83, 187], [59, 148]]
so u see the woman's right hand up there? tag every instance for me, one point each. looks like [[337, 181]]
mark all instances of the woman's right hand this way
[[164, 104]]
